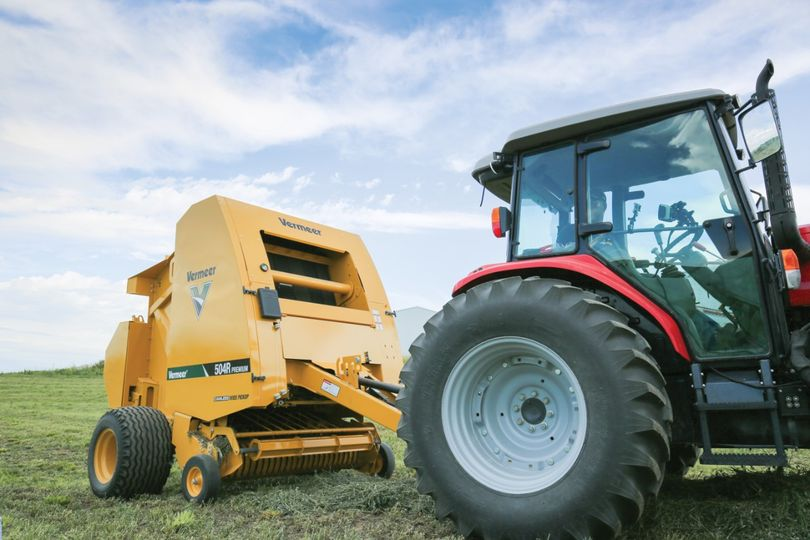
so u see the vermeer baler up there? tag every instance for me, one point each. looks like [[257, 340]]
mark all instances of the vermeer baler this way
[[268, 343]]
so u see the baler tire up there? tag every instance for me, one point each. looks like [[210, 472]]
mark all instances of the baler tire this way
[[201, 480], [130, 453], [682, 457], [619, 464], [388, 461]]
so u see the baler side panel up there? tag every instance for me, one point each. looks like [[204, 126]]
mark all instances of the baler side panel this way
[[211, 338], [268, 361], [125, 361]]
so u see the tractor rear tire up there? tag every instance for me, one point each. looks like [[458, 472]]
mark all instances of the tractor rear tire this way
[[530, 409], [682, 457], [130, 453]]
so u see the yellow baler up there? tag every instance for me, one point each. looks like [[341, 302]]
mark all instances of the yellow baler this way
[[268, 342]]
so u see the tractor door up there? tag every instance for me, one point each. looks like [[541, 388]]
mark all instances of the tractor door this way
[[677, 230]]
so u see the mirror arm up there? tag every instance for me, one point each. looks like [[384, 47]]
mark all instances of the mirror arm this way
[[751, 165]]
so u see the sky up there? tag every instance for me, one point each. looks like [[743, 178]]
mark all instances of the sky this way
[[367, 115]]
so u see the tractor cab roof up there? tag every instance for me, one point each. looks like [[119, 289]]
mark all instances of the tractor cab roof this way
[[499, 180]]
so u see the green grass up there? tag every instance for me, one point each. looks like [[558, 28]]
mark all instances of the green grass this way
[[46, 419]]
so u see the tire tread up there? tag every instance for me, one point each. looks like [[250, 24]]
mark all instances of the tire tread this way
[[643, 390]]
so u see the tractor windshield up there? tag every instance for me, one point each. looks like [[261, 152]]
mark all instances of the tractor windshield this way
[[678, 232]]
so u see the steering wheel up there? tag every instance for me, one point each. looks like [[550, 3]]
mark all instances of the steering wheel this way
[[667, 252]]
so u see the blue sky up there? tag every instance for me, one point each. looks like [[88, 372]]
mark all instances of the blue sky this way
[[366, 115]]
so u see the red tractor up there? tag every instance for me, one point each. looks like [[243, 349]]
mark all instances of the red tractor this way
[[650, 312]]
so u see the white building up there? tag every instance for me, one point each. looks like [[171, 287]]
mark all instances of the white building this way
[[409, 325]]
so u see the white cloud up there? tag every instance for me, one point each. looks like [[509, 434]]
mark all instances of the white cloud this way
[[60, 319], [301, 182], [142, 218], [278, 178], [369, 184], [458, 164], [101, 86]]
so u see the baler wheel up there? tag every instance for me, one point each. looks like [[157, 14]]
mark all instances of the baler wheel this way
[[530, 409], [201, 479], [130, 453], [388, 461]]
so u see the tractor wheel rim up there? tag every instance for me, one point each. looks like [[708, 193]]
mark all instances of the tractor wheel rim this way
[[514, 415], [194, 481], [105, 456]]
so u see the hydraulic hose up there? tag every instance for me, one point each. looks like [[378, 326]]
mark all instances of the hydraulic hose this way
[[379, 385]]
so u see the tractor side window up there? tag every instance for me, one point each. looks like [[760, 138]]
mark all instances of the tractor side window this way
[[678, 233], [545, 203]]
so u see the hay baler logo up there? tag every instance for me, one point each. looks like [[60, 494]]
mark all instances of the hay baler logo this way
[[298, 226], [198, 295]]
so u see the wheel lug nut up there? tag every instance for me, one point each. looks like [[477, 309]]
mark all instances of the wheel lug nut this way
[[534, 394], [489, 378], [557, 372], [504, 364], [484, 433], [520, 421], [497, 450], [531, 428], [546, 400], [516, 408], [571, 389], [544, 426], [550, 462], [550, 414], [521, 397]]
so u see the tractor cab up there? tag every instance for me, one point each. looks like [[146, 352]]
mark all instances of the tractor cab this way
[[651, 190]]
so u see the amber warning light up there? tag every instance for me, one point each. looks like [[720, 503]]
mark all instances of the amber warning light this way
[[793, 273], [501, 218]]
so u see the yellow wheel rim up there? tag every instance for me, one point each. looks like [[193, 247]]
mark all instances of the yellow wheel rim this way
[[194, 481], [105, 456]]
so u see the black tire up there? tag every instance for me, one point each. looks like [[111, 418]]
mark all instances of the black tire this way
[[132, 449], [389, 461], [201, 480], [621, 461], [682, 457]]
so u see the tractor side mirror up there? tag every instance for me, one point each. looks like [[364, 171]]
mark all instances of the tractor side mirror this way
[[501, 221], [761, 136]]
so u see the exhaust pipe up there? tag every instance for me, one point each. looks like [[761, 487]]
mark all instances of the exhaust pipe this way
[[785, 231]]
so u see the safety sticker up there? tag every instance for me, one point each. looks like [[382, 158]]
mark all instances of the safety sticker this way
[[330, 388]]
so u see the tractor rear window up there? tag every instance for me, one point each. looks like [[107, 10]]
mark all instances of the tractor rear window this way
[[545, 203]]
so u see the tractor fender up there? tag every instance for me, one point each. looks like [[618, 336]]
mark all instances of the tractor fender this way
[[588, 266]]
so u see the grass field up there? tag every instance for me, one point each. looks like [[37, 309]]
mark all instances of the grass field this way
[[46, 419]]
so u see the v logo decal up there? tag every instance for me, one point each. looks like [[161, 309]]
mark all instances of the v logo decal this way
[[198, 295]]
